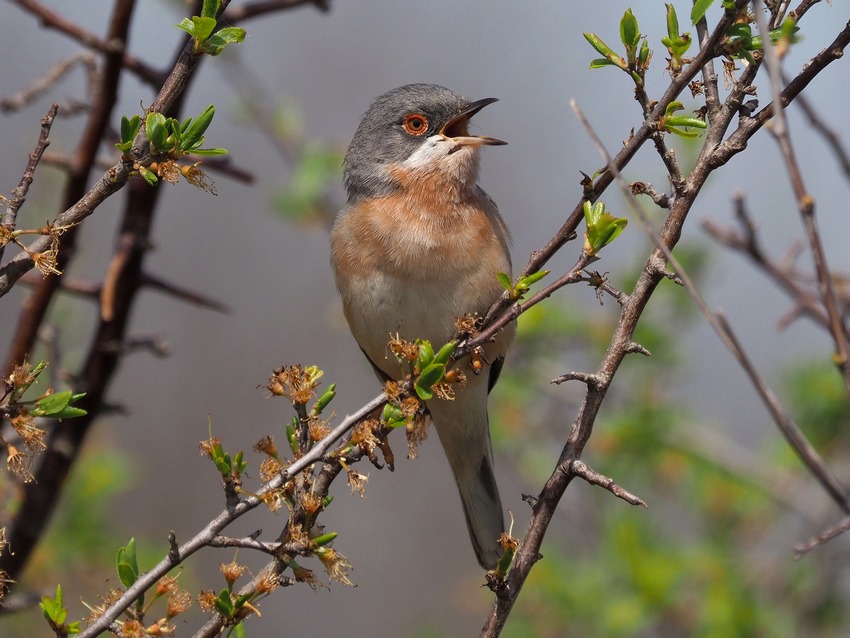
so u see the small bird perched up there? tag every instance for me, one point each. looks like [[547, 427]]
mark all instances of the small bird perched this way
[[418, 245]]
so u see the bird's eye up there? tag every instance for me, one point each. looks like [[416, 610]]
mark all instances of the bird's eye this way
[[415, 124]]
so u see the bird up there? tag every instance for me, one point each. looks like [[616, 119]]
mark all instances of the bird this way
[[417, 245]]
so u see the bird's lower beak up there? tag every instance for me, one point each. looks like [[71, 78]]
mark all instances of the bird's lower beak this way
[[457, 128]]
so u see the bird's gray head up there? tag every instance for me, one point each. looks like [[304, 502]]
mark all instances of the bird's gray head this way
[[419, 127]]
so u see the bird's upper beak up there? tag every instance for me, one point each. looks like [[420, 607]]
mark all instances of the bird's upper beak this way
[[457, 129]]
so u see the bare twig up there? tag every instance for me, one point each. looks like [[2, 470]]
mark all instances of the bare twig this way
[[52, 20], [582, 470], [805, 203], [832, 138], [19, 194], [747, 243], [45, 82], [261, 7], [801, 549]]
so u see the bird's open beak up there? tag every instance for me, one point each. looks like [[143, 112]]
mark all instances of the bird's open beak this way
[[457, 128]]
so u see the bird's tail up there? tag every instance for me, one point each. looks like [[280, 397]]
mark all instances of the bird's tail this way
[[464, 432]]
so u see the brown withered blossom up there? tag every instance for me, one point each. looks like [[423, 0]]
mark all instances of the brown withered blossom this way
[[197, 178], [165, 585], [403, 350], [468, 325], [266, 445], [161, 628], [336, 565], [207, 446], [269, 468], [179, 601], [21, 376], [231, 571], [106, 601], [304, 575], [206, 600], [167, 171], [131, 629], [357, 482], [46, 262], [310, 502], [296, 383], [32, 436], [364, 435], [318, 429], [417, 431], [268, 579], [19, 463]]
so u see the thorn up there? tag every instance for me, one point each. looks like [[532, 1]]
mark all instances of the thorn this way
[[582, 470], [531, 500], [635, 347], [173, 549], [590, 380], [668, 274]]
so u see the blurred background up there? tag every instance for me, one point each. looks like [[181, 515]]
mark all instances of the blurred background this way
[[683, 430]]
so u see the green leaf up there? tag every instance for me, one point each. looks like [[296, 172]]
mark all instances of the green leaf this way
[[427, 378], [210, 8], [127, 565], [325, 399], [598, 63], [187, 25], [597, 43], [602, 228], [193, 130], [426, 353], [231, 35], [129, 128], [686, 120], [224, 604], [69, 413], [149, 176], [52, 403], [445, 353], [629, 32], [324, 539], [203, 28], [155, 131], [672, 23], [505, 280], [392, 416], [238, 464], [699, 9], [208, 151], [52, 608], [216, 43], [239, 630], [593, 212]]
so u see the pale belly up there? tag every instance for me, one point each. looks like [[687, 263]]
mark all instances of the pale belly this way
[[387, 305]]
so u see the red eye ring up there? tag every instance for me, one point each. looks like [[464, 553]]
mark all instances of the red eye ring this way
[[415, 124]]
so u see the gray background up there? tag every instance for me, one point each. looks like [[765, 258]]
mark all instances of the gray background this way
[[406, 538]]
